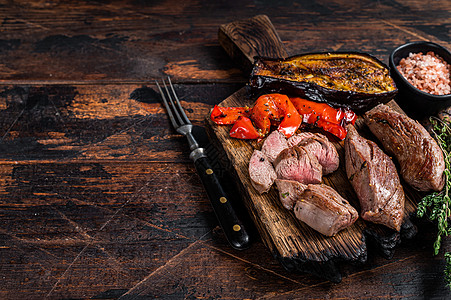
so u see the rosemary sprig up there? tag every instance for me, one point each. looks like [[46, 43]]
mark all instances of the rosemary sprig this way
[[439, 203]]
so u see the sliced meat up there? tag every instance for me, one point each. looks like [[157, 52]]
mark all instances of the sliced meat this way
[[324, 150], [261, 172], [289, 192], [323, 209], [298, 164], [318, 205], [320, 146], [274, 144], [375, 180], [296, 139], [419, 156]]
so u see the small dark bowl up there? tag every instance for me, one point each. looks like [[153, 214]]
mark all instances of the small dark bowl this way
[[416, 103]]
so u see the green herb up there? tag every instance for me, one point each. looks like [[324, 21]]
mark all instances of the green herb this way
[[448, 268], [438, 204], [284, 195]]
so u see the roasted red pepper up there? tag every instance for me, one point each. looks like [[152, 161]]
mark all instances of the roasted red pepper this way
[[350, 116], [286, 113], [244, 129], [291, 117], [263, 112], [336, 129], [324, 116], [272, 109], [228, 115]]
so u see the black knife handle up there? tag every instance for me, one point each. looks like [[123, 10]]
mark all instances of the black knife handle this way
[[232, 227]]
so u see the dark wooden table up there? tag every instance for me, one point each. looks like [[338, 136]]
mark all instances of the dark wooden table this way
[[98, 198]]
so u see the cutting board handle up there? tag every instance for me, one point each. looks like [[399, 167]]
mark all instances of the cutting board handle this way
[[245, 39]]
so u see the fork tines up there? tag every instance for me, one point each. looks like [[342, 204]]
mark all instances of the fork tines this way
[[177, 108]]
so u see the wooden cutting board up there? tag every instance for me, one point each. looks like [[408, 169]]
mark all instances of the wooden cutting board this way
[[293, 243]]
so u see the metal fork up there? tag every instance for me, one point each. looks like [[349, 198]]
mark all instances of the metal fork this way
[[177, 115], [233, 228]]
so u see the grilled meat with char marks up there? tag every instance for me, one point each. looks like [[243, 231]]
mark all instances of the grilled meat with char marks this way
[[261, 172], [320, 146], [297, 163], [317, 205], [375, 180], [419, 156]]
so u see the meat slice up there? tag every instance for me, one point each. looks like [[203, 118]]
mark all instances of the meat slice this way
[[298, 164], [261, 172], [323, 209], [375, 180], [419, 156], [320, 146], [296, 139], [289, 192], [319, 206], [324, 150], [274, 144]]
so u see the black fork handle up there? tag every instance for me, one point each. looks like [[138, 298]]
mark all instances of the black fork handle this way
[[233, 228]]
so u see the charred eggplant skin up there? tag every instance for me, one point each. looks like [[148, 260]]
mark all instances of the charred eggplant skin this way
[[352, 80]]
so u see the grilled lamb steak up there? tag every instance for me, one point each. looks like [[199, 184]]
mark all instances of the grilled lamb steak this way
[[324, 151], [318, 205], [375, 180], [297, 138], [320, 146], [420, 157], [261, 172], [289, 192], [297, 163], [323, 209], [274, 144]]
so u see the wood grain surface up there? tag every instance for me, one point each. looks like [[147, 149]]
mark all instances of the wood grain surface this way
[[98, 198]]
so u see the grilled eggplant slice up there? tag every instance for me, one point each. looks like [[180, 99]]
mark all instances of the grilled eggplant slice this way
[[350, 80]]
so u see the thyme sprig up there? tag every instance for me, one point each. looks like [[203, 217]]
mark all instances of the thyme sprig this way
[[438, 204], [448, 268]]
